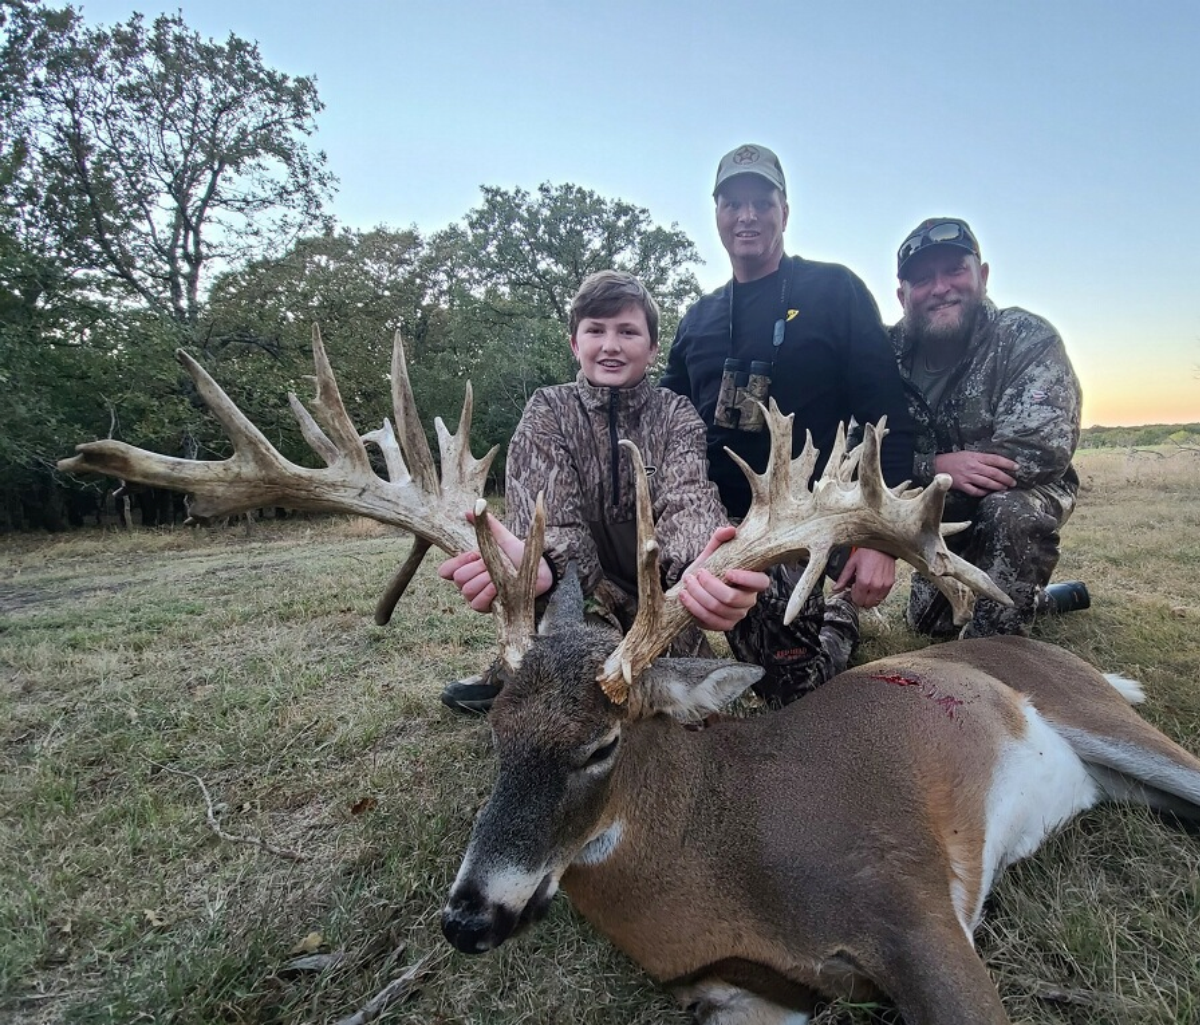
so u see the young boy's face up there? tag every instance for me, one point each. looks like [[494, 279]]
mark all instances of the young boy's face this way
[[614, 352]]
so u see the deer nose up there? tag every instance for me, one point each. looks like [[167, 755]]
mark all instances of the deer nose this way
[[473, 926]]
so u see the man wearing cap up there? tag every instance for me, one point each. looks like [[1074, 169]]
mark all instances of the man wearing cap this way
[[996, 405], [809, 336]]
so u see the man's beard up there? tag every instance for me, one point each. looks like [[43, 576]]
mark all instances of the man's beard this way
[[944, 337]]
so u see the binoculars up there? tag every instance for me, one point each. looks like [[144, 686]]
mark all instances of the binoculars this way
[[744, 384]]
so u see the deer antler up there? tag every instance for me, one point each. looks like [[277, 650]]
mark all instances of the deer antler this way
[[257, 474], [787, 518], [514, 601]]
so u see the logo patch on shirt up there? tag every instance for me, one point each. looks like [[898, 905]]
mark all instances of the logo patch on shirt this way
[[792, 314], [1038, 396], [651, 471]]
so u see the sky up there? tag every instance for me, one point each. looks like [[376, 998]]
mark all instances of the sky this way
[[1066, 133]]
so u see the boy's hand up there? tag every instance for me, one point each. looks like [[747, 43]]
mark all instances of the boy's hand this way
[[471, 577], [720, 603]]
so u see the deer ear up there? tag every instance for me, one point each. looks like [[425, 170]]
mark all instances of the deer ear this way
[[690, 688], [565, 605]]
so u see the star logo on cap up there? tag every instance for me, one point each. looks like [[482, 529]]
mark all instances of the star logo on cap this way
[[746, 155]]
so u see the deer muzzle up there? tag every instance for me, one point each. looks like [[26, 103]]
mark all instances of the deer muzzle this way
[[475, 922]]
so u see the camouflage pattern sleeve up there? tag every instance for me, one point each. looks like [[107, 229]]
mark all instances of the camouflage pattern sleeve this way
[[688, 508], [540, 459], [1037, 416]]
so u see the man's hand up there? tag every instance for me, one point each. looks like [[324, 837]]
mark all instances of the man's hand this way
[[471, 576], [976, 473], [716, 603], [869, 575]]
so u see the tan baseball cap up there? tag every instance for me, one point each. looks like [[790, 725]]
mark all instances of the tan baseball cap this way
[[750, 159]]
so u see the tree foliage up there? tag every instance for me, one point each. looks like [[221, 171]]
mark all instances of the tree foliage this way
[[133, 161], [359, 287], [531, 251], [154, 154], [1144, 436]]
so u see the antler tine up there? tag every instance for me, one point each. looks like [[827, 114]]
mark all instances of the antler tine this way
[[462, 476], [393, 457], [959, 595], [218, 488], [788, 520], [384, 438], [618, 676], [331, 411], [805, 463], [408, 423], [460, 470], [868, 454], [513, 605], [837, 455]]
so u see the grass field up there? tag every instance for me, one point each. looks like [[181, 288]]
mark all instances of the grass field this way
[[136, 668]]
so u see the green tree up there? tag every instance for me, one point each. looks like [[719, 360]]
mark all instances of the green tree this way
[[155, 155], [52, 375], [134, 162], [358, 287], [529, 253]]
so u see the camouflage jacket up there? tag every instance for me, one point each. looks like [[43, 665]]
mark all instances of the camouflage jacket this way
[[1013, 394], [566, 446]]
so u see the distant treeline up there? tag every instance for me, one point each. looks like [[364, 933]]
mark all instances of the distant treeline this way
[[1137, 437]]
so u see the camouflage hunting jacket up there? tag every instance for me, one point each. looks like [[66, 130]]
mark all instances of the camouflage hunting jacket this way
[[566, 446], [1014, 393]]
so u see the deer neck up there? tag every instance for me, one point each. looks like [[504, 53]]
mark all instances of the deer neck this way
[[664, 894]]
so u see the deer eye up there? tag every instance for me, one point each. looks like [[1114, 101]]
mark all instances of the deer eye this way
[[603, 753]]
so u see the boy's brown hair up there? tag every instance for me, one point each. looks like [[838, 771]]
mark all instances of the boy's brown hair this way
[[606, 293]]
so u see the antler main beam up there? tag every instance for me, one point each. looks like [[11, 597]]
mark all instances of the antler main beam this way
[[788, 519], [258, 475]]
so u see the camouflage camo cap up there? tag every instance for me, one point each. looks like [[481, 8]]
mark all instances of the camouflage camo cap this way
[[749, 159]]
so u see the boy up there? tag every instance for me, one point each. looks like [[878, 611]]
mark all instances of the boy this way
[[566, 447]]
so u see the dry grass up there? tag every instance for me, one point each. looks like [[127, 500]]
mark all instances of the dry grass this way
[[253, 663]]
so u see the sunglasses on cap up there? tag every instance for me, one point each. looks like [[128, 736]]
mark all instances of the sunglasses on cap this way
[[933, 233]]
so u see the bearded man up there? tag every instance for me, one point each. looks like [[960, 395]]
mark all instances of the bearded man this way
[[995, 403]]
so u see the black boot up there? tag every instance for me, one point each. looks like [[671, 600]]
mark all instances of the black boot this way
[[474, 694], [1067, 596]]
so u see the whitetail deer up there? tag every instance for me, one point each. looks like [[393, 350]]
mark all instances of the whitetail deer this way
[[842, 846]]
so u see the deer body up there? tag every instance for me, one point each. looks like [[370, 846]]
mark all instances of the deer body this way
[[842, 846]]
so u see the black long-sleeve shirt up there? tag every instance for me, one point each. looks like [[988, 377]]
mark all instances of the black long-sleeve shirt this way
[[835, 362]]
